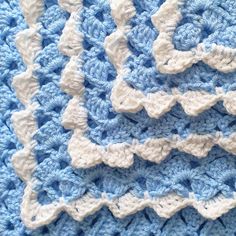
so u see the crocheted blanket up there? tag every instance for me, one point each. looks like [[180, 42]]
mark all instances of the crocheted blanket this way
[[117, 117]]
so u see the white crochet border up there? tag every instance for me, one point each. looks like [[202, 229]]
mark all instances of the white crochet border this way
[[33, 214], [83, 152], [169, 60]]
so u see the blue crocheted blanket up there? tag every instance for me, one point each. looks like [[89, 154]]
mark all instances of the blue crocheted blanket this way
[[117, 117]]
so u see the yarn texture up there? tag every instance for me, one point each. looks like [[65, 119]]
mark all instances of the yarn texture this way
[[117, 117]]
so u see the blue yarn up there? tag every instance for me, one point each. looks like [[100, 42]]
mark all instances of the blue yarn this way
[[218, 23], [180, 172], [214, 22], [11, 64], [119, 128], [144, 223], [57, 178], [105, 125]]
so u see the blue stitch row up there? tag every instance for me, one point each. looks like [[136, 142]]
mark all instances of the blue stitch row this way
[[11, 64], [55, 177], [105, 125], [180, 173], [146, 222]]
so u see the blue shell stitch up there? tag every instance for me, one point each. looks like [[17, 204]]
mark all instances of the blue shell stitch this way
[[180, 173], [105, 126], [203, 21], [102, 223], [56, 178]]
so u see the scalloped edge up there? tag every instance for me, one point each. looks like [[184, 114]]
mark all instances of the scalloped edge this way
[[28, 43], [120, 207], [35, 215], [127, 99], [172, 61], [86, 154]]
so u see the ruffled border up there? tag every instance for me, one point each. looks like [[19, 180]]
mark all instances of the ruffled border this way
[[84, 153], [127, 99], [169, 60], [34, 214]]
